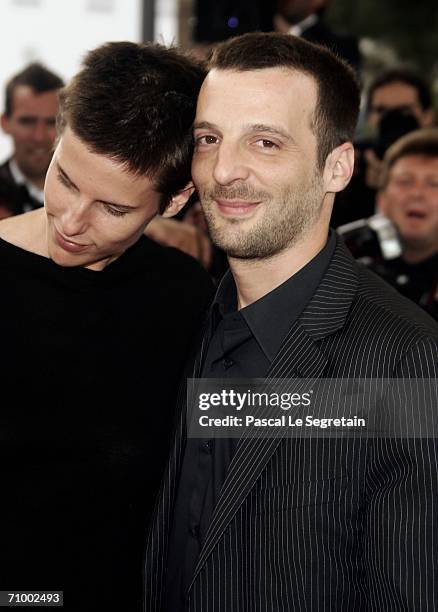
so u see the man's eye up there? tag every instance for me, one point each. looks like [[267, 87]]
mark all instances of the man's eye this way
[[379, 110], [266, 144], [27, 121], [206, 140], [404, 183]]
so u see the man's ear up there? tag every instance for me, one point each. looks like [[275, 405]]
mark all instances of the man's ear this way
[[428, 117], [338, 168], [178, 201], [5, 123]]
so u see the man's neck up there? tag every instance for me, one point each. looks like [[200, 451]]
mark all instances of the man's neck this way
[[37, 182], [295, 27], [304, 24], [255, 278], [416, 254]]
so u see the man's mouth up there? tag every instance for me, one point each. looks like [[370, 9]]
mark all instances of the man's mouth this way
[[416, 214], [40, 151], [235, 208]]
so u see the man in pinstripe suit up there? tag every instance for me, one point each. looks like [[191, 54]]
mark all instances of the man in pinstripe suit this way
[[274, 524]]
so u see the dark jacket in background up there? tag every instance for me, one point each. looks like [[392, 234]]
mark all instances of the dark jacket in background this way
[[12, 196]]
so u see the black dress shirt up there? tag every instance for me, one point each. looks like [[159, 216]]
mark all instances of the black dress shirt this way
[[242, 344]]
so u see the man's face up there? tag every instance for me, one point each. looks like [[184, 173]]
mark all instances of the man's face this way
[[399, 96], [95, 208], [410, 199], [32, 128], [255, 160]]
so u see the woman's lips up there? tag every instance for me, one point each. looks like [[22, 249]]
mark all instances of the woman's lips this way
[[236, 208], [68, 245]]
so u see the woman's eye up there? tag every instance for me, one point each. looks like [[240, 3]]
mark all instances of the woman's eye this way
[[62, 179], [114, 211]]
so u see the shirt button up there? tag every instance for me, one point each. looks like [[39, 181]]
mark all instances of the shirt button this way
[[207, 446], [402, 279], [194, 531], [227, 363]]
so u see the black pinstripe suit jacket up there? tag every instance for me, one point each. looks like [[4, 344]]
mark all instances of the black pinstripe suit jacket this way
[[323, 524]]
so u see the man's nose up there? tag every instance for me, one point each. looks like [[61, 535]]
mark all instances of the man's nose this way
[[44, 132], [417, 190], [231, 164]]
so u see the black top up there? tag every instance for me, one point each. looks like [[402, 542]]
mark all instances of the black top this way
[[91, 362], [242, 344]]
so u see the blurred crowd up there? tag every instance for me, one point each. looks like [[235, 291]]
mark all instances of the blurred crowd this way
[[388, 215]]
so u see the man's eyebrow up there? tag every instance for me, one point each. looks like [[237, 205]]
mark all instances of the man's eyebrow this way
[[65, 175], [36, 117], [268, 129], [252, 127], [204, 125]]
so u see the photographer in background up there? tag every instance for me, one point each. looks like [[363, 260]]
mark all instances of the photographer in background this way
[[401, 243], [403, 90], [398, 101]]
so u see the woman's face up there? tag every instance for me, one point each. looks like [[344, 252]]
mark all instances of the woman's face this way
[[95, 208]]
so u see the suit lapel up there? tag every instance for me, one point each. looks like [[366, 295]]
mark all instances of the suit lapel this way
[[298, 357]]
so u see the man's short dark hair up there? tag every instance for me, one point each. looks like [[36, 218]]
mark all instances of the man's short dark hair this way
[[402, 75], [337, 106], [37, 77], [423, 143], [136, 103]]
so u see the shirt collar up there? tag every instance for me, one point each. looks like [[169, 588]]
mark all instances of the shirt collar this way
[[20, 179], [270, 317], [298, 28]]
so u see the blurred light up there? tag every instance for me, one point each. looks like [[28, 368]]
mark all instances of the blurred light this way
[[233, 22]]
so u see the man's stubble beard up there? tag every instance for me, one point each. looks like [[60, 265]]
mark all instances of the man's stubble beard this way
[[285, 222]]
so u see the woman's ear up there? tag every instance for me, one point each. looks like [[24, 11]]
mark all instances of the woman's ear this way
[[178, 201]]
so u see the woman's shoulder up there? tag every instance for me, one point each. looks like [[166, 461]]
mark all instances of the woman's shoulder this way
[[26, 231]]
